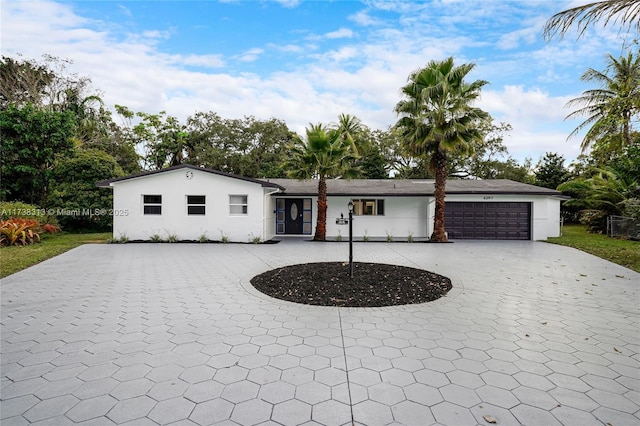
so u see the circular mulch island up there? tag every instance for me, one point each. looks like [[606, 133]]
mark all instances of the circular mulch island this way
[[372, 285]]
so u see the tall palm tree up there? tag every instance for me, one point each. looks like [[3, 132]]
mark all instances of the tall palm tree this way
[[627, 12], [324, 154], [610, 109], [436, 118]]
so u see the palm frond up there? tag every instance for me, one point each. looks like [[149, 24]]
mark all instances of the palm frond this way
[[624, 12]]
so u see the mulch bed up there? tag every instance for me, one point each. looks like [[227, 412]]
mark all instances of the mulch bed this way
[[372, 285]]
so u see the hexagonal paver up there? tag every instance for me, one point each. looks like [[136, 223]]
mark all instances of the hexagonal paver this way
[[292, 412], [412, 413], [231, 375], [527, 414], [240, 391], [372, 413], [132, 388], [386, 393], [423, 394], [331, 376], [297, 375], [447, 413], [498, 397], [91, 408], [197, 374], [131, 409], [277, 392], [535, 398], [204, 391], [459, 395], [171, 410], [264, 375], [252, 412], [57, 388], [50, 408], [168, 390], [331, 413], [364, 377], [313, 393], [397, 377], [164, 373], [211, 412]]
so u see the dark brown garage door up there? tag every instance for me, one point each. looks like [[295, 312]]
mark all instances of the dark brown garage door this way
[[488, 221]]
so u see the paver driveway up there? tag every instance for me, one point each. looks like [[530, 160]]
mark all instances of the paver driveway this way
[[141, 334]]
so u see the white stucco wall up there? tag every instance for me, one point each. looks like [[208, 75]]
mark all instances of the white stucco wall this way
[[402, 216], [174, 188]]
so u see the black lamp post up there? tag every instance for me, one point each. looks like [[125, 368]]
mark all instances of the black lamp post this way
[[350, 205]]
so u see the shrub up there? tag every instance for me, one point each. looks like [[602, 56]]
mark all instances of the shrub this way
[[48, 228], [19, 232], [18, 209]]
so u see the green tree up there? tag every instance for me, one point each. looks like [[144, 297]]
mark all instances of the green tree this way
[[324, 154], [437, 118], [600, 193], [626, 12], [164, 140], [550, 171], [248, 147], [611, 109], [22, 82], [73, 189], [31, 140]]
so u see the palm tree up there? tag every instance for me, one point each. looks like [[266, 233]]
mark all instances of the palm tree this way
[[348, 127], [437, 118], [626, 12], [610, 109], [325, 154]]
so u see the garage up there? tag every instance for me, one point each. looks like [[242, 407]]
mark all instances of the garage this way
[[488, 220]]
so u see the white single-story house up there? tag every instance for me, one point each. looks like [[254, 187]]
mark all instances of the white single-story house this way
[[190, 203]]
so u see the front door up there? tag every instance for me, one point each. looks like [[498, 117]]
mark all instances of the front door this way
[[293, 216]]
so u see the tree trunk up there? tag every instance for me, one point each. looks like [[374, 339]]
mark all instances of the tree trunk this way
[[439, 163], [321, 223]]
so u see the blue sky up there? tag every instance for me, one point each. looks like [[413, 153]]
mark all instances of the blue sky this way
[[308, 61]]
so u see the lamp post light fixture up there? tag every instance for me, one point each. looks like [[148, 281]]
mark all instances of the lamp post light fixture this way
[[350, 205]]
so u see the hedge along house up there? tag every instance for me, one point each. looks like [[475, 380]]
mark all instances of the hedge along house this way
[[190, 202]]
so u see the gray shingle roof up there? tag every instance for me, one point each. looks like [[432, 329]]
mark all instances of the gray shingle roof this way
[[107, 183], [405, 187], [369, 187]]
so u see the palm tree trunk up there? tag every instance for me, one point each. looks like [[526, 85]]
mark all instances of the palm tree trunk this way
[[321, 223], [439, 163]]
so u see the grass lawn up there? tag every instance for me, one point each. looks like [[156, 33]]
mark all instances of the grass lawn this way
[[622, 252], [17, 258]]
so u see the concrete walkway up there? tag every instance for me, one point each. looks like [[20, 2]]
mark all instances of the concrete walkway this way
[[146, 334]]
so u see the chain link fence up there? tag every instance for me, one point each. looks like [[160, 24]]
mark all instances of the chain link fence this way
[[625, 227]]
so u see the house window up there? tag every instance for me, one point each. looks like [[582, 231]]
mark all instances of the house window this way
[[368, 207], [238, 204], [152, 204], [196, 205]]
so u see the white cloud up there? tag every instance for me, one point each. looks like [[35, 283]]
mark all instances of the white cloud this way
[[207, 61], [537, 120], [250, 55], [341, 33], [288, 3], [125, 10]]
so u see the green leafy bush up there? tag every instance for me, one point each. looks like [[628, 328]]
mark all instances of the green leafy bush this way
[[18, 209]]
